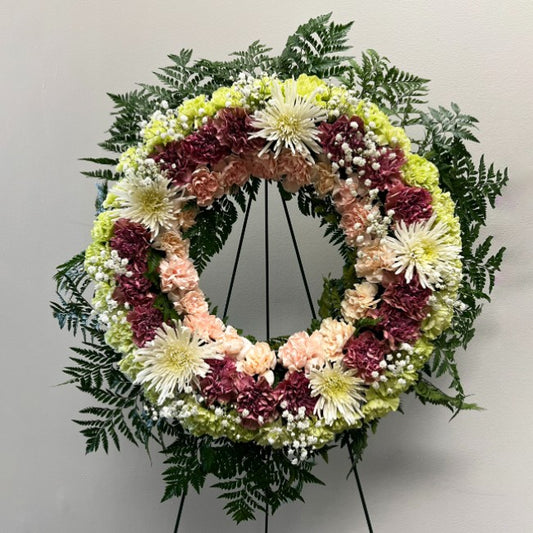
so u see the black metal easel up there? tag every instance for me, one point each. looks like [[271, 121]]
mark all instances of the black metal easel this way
[[267, 324]]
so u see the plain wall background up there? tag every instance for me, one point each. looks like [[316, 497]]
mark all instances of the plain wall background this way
[[420, 473]]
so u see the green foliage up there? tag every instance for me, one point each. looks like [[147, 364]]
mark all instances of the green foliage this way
[[473, 188], [426, 392], [396, 92], [314, 49]]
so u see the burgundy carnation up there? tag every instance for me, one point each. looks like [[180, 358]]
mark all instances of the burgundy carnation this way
[[144, 320], [130, 240], [410, 204], [387, 173], [411, 297], [333, 136], [222, 381], [175, 160], [203, 146], [135, 288], [397, 326], [295, 392], [364, 354], [234, 127], [255, 400]]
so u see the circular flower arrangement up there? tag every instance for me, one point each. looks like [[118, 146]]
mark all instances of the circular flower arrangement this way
[[342, 156]]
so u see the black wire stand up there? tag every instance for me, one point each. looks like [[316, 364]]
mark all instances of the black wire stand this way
[[267, 327]]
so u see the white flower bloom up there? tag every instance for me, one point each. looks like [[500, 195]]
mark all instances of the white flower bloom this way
[[152, 202], [339, 393], [288, 121], [424, 247], [174, 360]]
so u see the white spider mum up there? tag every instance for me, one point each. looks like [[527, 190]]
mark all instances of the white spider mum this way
[[174, 360], [288, 121], [150, 201], [339, 393], [424, 247]]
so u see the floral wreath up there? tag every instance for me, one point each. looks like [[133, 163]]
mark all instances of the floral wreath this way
[[405, 215], [403, 269]]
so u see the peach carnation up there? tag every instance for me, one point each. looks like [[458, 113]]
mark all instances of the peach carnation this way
[[177, 273], [258, 360], [324, 180], [172, 243], [234, 171], [232, 344], [264, 166], [373, 260], [335, 334], [296, 170], [354, 220], [191, 303], [358, 301], [302, 351], [186, 218], [205, 186], [208, 327]]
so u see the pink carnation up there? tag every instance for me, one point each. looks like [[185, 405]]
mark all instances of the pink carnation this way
[[397, 326], [354, 221], [295, 169], [364, 354], [410, 297], [233, 127], [177, 274], [206, 186], [256, 403], [343, 198], [387, 173], [294, 392], [344, 130], [410, 204]]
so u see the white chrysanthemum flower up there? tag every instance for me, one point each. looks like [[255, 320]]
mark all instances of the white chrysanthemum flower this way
[[339, 393], [152, 202], [288, 121], [174, 360], [424, 247]]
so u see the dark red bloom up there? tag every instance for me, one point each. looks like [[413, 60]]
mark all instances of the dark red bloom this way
[[176, 161], [364, 353], [411, 297], [410, 204], [203, 146], [130, 240], [257, 403], [397, 326], [333, 136], [295, 392], [221, 382], [384, 172], [144, 320], [135, 288], [233, 127]]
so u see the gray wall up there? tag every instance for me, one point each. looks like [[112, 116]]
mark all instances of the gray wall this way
[[420, 472]]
